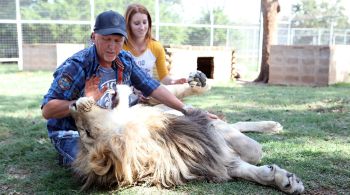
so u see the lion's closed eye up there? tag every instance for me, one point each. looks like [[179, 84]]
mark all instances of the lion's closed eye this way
[[287, 185], [270, 167], [88, 133]]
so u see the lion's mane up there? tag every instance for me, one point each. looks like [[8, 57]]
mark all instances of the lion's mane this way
[[153, 148]]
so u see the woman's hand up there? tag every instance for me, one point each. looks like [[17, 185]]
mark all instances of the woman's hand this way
[[167, 80], [179, 81]]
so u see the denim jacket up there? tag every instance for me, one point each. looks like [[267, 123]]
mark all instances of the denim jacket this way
[[70, 76]]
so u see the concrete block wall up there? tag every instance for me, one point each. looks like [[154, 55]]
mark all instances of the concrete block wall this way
[[39, 56], [309, 65], [47, 56], [183, 60]]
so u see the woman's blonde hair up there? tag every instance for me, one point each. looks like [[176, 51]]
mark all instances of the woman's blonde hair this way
[[131, 10]]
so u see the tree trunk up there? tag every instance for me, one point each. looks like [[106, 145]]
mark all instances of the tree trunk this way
[[270, 9]]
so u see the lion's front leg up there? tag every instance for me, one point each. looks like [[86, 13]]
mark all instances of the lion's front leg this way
[[84, 104], [197, 84], [181, 91], [270, 175], [184, 90]]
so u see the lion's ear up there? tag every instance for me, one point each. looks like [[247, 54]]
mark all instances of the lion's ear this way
[[100, 161]]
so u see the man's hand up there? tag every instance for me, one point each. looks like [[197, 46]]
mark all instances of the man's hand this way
[[92, 90], [186, 109], [212, 116], [141, 98]]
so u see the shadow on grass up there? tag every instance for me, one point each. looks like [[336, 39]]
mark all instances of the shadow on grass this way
[[323, 111], [19, 103], [8, 68], [29, 162], [280, 95]]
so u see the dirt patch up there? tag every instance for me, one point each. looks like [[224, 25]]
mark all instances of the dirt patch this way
[[321, 191], [17, 173], [7, 189], [4, 132], [329, 106]]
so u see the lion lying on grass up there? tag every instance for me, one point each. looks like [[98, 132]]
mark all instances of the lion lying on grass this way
[[142, 144], [198, 84]]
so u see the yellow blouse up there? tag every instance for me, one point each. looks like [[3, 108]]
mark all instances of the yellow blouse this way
[[152, 60]]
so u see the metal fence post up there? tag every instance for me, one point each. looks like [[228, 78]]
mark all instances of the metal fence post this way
[[19, 35], [92, 14], [211, 26], [157, 18]]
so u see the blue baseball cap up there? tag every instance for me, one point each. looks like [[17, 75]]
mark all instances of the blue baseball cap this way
[[109, 23]]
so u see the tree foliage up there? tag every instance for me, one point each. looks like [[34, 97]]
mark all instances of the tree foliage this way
[[8, 32], [170, 12], [197, 34], [319, 14], [7, 9], [47, 31], [79, 10], [55, 10]]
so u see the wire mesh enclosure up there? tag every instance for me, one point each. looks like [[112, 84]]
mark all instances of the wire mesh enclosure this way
[[225, 23]]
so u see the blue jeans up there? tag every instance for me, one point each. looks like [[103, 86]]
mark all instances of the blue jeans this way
[[66, 144]]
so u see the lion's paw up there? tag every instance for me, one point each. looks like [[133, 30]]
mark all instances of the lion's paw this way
[[84, 104], [273, 127], [197, 78], [286, 181]]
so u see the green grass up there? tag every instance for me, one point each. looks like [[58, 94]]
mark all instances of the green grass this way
[[315, 142]]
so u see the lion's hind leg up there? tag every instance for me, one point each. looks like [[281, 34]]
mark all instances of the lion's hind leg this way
[[258, 126], [270, 175], [247, 148]]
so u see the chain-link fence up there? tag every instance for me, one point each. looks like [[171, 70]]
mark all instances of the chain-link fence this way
[[175, 22]]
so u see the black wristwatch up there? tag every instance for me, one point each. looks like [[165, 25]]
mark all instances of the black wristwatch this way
[[186, 109]]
